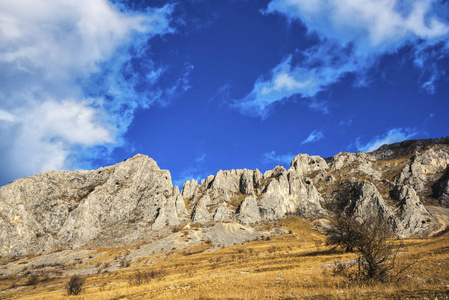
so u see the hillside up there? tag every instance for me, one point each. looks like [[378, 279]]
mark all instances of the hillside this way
[[135, 202], [114, 222], [296, 265]]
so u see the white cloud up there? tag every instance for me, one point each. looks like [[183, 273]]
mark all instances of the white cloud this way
[[6, 116], [52, 54], [371, 25], [392, 136], [57, 38], [41, 137], [353, 34], [316, 72], [313, 137], [284, 159]]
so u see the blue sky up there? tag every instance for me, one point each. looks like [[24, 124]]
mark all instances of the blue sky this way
[[206, 85]]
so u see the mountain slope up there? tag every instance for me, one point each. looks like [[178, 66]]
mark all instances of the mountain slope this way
[[135, 202]]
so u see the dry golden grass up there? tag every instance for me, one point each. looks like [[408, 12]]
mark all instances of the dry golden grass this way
[[398, 160], [290, 266], [236, 200]]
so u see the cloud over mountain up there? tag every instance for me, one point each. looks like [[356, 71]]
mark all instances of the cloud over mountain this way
[[52, 57]]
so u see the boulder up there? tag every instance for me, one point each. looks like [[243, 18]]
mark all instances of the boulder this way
[[410, 211]]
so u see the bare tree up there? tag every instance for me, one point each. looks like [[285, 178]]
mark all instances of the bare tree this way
[[343, 233], [367, 236]]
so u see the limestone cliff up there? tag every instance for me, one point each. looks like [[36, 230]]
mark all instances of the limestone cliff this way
[[135, 201]]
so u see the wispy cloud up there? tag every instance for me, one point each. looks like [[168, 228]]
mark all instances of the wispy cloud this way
[[284, 159], [314, 136], [317, 71], [345, 122], [320, 106], [200, 158], [352, 36], [69, 86], [222, 94], [197, 172], [392, 136]]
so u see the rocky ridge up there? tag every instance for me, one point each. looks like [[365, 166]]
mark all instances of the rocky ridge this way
[[135, 202]]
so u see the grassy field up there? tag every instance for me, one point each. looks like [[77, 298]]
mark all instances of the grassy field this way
[[297, 265]]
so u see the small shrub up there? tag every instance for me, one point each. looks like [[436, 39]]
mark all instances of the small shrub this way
[[141, 277], [273, 249], [75, 285], [33, 280], [177, 228], [125, 263]]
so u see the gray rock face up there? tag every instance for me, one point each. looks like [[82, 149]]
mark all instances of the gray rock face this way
[[367, 202], [135, 201], [424, 165], [441, 190], [359, 162], [227, 181], [257, 178], [304, 163], [408, 218], [272, 196], [414, 216], [308, 199], [189, 188], [72, 209], [247, 182], [248, 211], [200, 212], [223, 213], [444, 198]]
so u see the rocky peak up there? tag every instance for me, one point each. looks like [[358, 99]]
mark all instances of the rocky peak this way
[[135, 201], [408, 147], [304, 163]]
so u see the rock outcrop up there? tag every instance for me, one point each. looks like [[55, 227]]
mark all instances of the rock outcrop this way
[[367, 202], [112, 205], [414, 217], [424, 168], [304, 163], [249, 197], [441, 190], [135, 201]]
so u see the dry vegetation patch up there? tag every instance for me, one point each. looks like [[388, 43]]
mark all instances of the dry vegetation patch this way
[[297, 265]]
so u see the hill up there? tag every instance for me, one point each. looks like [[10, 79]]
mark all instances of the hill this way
[[117, 222]]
